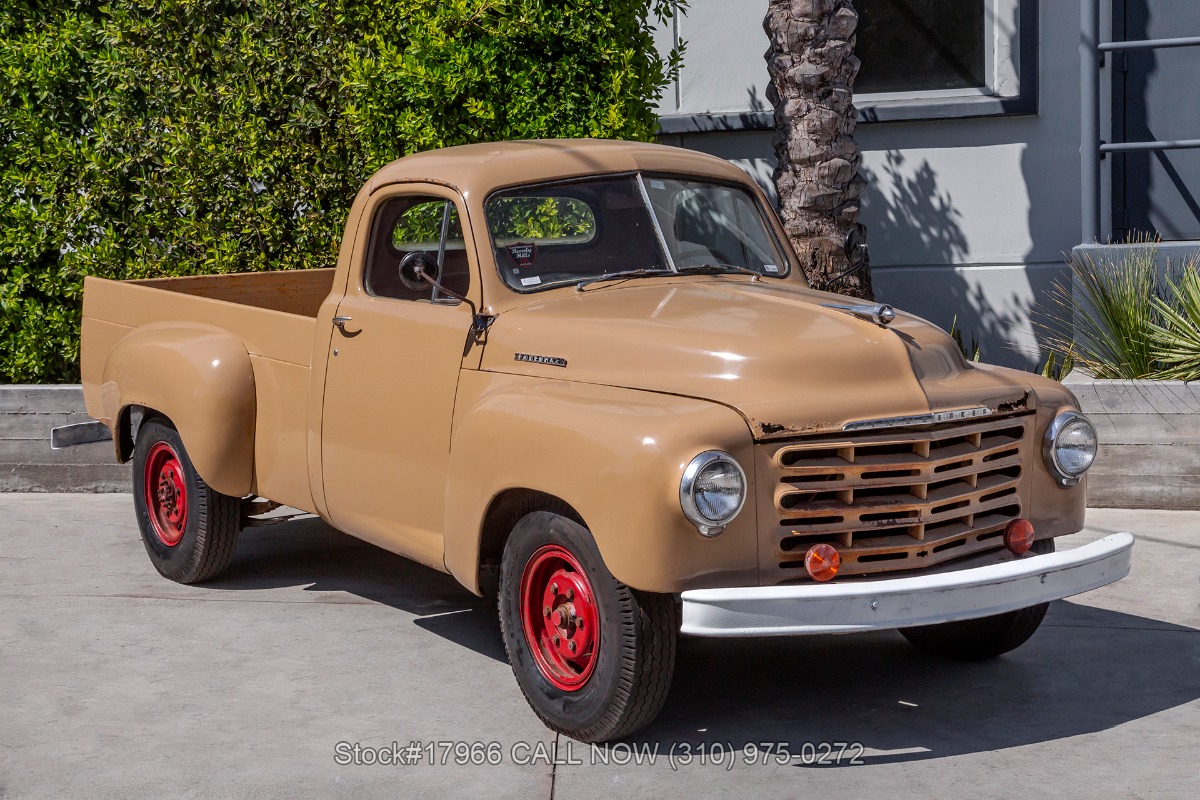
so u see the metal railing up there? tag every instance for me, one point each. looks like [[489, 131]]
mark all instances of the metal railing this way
[[1091, 147]]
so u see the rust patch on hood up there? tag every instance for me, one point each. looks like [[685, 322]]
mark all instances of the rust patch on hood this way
[[772, 428], [1016, 404]]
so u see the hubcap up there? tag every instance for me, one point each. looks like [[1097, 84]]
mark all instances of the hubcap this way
[[559, 617], [166, 494]]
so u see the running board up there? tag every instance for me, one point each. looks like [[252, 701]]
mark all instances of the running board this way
[[255, 509]]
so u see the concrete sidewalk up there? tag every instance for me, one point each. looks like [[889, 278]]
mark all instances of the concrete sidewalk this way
[[117, 683]]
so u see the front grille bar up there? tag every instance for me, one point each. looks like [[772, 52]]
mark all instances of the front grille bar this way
[[887, 499]]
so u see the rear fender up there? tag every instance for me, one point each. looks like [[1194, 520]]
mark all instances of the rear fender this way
[[198, 376]]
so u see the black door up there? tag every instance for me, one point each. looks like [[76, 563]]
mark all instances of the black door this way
[[1156, 96]]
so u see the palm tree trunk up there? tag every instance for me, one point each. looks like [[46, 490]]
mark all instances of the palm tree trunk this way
[[812, 67]]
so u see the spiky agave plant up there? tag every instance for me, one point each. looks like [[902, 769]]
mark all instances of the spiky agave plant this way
[[1112, 313], [971, 353], [1057, 369], [1176, 339]]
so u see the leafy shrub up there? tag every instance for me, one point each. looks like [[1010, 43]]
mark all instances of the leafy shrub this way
[[143, 138]]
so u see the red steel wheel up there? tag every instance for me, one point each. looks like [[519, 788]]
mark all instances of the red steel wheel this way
[[166, 494], [559, 617], [189, 529], [593, 657]]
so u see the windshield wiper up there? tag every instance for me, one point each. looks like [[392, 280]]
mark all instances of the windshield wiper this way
[[719, 269], [627, 273], [701, 269]]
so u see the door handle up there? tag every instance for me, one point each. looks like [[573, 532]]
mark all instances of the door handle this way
[[340, 323]]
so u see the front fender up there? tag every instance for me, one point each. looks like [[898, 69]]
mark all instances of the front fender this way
[[1054, 510], [614, 455], [201, 378]]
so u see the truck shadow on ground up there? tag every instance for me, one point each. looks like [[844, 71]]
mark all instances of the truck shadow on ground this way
[[1086, 670], [309, 553]]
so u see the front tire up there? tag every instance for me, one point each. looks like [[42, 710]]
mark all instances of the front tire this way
[[189, 529], [593, 657], [986, 637]]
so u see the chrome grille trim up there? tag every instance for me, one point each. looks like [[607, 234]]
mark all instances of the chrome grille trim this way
[[893, 500], [934, 418]]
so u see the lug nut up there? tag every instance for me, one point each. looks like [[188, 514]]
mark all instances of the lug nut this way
[[555, 639], [579, 623], [546, 611], [554, 588], [571, 646], [570, 594]]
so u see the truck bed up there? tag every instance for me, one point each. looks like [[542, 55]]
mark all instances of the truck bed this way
[[272, 313], [298, 292]]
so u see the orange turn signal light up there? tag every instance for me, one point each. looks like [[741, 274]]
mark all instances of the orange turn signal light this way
[[822, 562], [1018, 536]]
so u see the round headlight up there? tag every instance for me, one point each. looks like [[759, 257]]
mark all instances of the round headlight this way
[[1070, 447], [712, 491]]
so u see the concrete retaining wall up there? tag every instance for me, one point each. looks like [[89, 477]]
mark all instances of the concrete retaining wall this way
[[27, 464], [1149, 442]]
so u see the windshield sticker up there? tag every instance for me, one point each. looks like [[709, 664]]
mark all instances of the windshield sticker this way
[[522, 253], [657, 185], [770, 268], [534, 281]]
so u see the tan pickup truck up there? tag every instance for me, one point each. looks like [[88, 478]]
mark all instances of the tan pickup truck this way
[[590, 377]]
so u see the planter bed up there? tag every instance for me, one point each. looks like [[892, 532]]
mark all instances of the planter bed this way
[[1149, 442]]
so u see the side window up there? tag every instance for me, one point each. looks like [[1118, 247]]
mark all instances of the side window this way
[[416, 223]]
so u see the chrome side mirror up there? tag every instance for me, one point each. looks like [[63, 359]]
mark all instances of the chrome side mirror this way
[[855, 248], [418, 271]]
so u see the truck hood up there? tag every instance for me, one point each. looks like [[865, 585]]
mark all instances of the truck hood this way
[[768, 349]]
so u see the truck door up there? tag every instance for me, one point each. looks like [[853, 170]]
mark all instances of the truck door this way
[[391, 379]]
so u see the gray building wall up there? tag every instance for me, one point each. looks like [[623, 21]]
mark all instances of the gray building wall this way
[[966, 217]]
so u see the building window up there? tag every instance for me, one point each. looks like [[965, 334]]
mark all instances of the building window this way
[[921, 60], [920, 45], [925, 59]]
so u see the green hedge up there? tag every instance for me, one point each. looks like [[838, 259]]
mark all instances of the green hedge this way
[[175, 137]]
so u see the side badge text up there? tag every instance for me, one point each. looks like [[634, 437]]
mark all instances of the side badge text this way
[[553, 361]]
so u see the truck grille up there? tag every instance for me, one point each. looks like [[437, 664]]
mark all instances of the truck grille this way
[[891, 501]]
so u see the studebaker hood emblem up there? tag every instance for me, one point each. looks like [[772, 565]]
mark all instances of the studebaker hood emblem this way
[[553, 361]]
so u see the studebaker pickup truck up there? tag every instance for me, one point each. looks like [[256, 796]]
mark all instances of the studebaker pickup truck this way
[[590, 377]]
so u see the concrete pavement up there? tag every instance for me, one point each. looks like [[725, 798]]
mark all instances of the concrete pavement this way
[[117, 683]]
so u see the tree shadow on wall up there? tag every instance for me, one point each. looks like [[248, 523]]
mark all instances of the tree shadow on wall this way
[[907, 211], [916, 216]]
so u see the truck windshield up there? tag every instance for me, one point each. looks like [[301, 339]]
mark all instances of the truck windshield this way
[[632, 225]]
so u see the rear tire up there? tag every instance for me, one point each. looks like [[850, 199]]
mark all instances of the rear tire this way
[[615, 678], [189, 529], [986, 637]]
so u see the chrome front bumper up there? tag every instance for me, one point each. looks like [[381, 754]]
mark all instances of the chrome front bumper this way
[[905, 602]]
